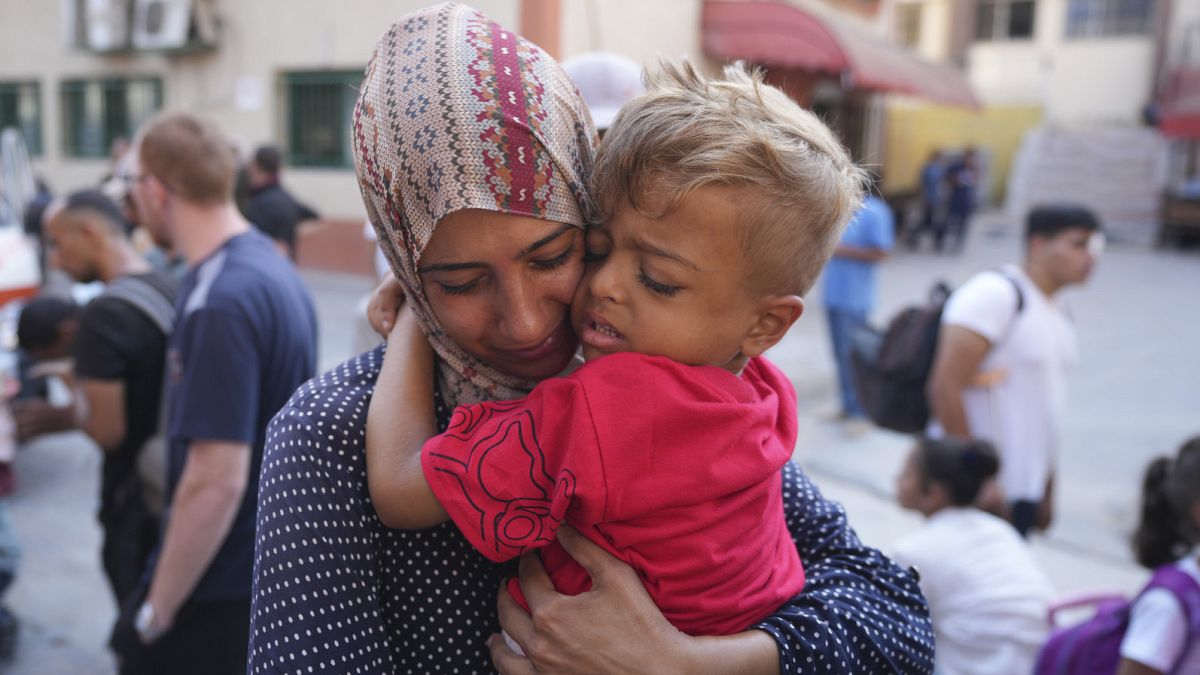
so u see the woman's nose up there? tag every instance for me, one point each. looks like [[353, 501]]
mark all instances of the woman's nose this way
[[524, 319]]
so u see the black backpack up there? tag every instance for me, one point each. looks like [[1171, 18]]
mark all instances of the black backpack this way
[[891, 367]]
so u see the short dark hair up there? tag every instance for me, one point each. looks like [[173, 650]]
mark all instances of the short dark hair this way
[[268, 158], [40, 320], [96, 202], [1051, 220], [960, 466]]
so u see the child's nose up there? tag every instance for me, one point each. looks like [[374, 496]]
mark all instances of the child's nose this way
[[604, 284]]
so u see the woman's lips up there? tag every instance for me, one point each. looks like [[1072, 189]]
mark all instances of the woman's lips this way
[[599, 334], [553, 343]]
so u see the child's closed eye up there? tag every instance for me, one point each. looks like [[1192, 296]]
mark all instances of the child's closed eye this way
[[658, 287]]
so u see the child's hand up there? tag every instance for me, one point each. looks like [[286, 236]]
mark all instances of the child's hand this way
[[385, 304]]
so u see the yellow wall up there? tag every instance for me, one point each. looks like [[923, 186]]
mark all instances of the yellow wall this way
[[914, 130]]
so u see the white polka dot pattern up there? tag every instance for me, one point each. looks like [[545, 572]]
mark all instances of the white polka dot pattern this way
[[337, 592], [859, 612]]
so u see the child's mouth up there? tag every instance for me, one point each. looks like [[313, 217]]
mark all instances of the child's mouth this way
[[598, 334], [606, 330]]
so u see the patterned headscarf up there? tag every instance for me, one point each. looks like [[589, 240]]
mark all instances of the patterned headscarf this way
[[456, 112]]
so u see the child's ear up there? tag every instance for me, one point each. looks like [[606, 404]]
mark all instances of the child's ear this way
[[776, 314]]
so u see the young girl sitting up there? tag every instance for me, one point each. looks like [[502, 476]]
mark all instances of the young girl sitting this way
[[1159, 638], [987, 596]]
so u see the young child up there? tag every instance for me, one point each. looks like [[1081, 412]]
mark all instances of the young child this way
[[1162, 636], [987, 596], [720, 202]]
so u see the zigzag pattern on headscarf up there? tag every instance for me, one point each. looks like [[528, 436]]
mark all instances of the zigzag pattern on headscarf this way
[[456, 112]]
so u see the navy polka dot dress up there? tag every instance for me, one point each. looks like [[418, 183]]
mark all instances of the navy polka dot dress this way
[[337, 592]]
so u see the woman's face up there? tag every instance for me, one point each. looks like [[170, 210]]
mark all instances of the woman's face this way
[[501, 286]]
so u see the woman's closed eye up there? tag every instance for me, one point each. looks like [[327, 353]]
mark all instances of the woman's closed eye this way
[[658, 287], [458, 289], [555, 262]]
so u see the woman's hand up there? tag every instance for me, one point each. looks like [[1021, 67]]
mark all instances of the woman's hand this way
[[613, 628], [386, 301]]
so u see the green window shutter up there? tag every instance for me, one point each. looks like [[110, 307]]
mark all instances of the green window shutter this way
[[320, 106], [96, 112]]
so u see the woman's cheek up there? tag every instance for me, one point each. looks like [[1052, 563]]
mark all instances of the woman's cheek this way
[[568, 279]]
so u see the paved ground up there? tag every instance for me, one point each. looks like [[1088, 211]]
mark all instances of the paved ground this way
[[1133, 396]]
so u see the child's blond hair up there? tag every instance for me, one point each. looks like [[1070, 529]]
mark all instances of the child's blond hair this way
[[799, 184]]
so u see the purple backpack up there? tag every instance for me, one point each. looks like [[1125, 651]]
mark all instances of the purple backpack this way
[[1093, 647]]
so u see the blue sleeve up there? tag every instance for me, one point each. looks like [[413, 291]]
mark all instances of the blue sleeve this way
[[219, 389], [882, 231], [859, 612]]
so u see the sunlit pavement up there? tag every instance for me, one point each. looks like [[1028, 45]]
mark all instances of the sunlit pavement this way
[[1133, 395]]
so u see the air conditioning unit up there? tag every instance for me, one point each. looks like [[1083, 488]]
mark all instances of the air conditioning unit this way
[[106, 25], [173, 24]]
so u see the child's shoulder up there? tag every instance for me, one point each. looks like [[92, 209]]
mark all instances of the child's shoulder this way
[[632, 371], [626, 362]]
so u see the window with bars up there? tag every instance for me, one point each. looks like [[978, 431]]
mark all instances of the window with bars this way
[[1101, 18], [320, 106], [97, 112], [21, 109], [908, 27], [1004, 20]]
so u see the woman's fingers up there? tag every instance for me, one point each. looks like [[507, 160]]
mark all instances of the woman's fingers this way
[[600, 564], [506, 661], [535, 583], [513, 618]]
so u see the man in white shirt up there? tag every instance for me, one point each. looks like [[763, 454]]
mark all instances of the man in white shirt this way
[[1000, 369]]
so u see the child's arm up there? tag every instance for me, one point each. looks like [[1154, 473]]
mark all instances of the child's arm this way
[[399, 421]]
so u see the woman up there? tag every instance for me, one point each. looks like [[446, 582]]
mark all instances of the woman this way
[[472, 151]]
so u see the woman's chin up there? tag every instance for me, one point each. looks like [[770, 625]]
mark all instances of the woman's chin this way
[[540, 369]]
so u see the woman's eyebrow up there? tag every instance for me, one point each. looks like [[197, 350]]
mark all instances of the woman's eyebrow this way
[[448, 267], [543, 241]]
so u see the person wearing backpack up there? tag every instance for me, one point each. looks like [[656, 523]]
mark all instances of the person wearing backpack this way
[[1164, 625], [987, 595], [119, 355], [1003, 350]]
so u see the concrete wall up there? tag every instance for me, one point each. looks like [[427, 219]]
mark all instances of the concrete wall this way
[[259, 41], [1076, 80], [643, 31]]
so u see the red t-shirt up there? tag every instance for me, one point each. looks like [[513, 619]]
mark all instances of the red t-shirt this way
[[673, 469]]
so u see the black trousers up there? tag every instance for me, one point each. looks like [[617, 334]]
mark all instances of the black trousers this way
[[208, 638], [1023, 514], [130, 535]]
